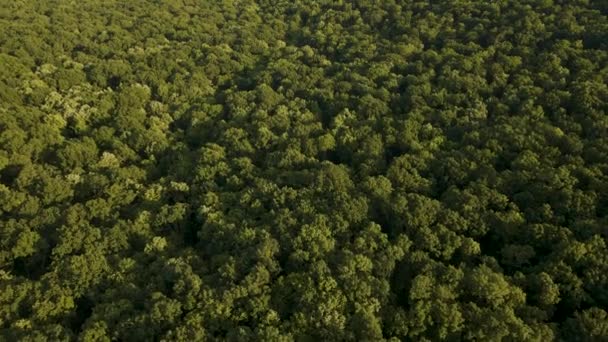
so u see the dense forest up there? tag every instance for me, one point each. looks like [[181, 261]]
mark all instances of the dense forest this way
[[299, 170]]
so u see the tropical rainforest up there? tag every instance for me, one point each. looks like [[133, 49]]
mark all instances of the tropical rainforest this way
[[304, 170]]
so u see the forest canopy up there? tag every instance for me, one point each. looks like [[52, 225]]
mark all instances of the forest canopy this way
[[327, 170]]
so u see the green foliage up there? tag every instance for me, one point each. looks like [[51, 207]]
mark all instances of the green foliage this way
[[303, 170]]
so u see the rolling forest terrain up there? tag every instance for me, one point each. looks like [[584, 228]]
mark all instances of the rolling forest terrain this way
[[303, 170]]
